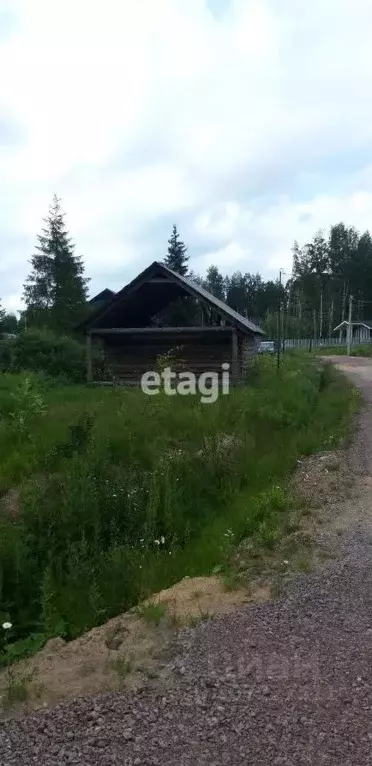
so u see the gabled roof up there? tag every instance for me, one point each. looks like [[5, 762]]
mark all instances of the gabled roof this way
[[367, 323], [104, 295], [164, 278]]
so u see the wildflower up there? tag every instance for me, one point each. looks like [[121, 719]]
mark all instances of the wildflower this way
[[162, 539], [7, 625], [157, 542], [285, 562]]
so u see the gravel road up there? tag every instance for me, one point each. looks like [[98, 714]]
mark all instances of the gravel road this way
[[288, 682]]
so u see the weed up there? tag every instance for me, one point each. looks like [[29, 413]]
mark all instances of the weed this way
[[151, 612], [16, 690], [175, 620], [122, 666], [206, 615], [231, 580], [28, 403], [196, 619], [303, 563], [277, 587], [115, 636], [38, 689]]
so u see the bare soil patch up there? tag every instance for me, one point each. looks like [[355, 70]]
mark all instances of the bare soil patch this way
[[126, 652]]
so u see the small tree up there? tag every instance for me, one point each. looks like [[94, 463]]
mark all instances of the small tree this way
[[176, 259], [55, 292], [214, 283], [2, 317], [9, 324]]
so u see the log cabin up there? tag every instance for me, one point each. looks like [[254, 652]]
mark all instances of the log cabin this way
[[160, 315]]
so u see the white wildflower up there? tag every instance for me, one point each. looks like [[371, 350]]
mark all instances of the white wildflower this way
[[7, 625], [286, 562], [157, 542], [162, 539]]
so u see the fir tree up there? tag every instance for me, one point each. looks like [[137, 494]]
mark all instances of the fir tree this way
[[55, 292], [214, 283], [2, 317], [176, 258]]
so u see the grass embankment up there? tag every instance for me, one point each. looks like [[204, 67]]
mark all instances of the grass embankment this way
[[361, 349], [122, 495]]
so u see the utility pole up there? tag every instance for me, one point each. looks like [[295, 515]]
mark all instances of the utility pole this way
[[279, 327], [349, 326]]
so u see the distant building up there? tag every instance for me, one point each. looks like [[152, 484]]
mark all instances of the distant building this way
[[360, 331]]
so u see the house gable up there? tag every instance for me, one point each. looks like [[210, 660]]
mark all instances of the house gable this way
[[152, 291]]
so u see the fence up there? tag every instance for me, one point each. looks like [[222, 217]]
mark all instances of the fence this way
[[318, 342]]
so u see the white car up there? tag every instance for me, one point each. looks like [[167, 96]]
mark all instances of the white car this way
[[267, 347]]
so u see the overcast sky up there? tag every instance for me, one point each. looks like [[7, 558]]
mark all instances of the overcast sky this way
[[246, 122]]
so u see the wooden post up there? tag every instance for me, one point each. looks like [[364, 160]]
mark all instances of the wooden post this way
[[89, 358], [234, 355]]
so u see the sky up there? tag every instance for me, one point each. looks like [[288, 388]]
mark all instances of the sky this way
[[248, 123]]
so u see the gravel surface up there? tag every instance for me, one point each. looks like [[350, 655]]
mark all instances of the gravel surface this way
[[288, 682]]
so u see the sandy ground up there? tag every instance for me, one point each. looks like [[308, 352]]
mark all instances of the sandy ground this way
[[126, 652]]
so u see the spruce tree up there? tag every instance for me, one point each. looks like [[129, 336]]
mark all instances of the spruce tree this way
[[2, 316], [214, 283], [55, 292], [176, 258]]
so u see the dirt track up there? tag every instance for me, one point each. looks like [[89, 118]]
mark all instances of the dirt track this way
[[288, 682]]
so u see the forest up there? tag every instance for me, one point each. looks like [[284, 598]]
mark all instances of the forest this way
[[312, 300]]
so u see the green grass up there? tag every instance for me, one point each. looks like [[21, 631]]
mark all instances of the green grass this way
[[105, 475], [151, 612], [359, 349]]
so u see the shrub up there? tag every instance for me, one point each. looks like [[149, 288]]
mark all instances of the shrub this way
[[43, 351]]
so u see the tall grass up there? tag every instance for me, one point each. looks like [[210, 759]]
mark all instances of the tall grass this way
[[122, 494]]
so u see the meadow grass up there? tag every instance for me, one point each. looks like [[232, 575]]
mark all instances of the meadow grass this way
[[122, 495], [357, 349]]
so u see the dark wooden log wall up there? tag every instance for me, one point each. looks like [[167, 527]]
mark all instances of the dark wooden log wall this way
[[129, 357]]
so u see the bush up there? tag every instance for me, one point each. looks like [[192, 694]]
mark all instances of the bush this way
[[43, 351]]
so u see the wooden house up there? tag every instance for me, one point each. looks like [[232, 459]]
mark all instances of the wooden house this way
[[101, 300], [133, 339]]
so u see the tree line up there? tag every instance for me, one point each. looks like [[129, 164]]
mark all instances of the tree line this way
[[325, 272]]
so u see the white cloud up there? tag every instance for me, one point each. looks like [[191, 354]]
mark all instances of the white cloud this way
[[249, 128]]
